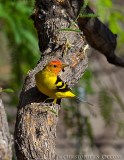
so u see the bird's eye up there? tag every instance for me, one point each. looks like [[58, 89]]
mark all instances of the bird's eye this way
[[54, 66]]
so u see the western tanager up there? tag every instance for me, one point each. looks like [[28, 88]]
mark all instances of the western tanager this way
[[49, 83]]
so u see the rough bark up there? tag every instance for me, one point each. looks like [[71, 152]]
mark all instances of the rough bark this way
[[5, 137], [35, 129]]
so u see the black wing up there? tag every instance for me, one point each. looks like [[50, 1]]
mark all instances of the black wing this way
[[61, 86]]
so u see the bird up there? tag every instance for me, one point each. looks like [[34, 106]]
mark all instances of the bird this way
[[49, 83]]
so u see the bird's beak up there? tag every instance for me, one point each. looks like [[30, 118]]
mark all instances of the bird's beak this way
[[64, 65]]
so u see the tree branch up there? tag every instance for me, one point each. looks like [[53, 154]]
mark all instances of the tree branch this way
[[100, 37]]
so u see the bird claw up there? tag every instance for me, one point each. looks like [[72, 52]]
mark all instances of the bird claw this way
[[51, 103]]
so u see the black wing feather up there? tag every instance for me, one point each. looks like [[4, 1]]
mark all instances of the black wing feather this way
[[61, 86]]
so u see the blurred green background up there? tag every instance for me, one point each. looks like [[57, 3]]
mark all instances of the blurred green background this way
[[102, 83]]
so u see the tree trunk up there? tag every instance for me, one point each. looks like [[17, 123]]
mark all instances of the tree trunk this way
[[35, 129], [5, 137]]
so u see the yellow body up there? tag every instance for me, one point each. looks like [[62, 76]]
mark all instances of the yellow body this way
[[48, 82]]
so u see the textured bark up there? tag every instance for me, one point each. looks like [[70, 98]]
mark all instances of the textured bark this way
[[35, 129], [5, 137]]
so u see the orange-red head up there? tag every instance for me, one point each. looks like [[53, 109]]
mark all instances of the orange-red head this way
[[55, 66]]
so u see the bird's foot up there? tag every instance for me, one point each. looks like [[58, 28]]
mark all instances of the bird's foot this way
[[51, 103]]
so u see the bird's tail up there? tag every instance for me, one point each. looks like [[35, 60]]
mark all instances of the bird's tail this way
[[91, 109], [83, 101]]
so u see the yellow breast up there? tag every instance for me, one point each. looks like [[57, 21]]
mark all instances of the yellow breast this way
[[45, 82]]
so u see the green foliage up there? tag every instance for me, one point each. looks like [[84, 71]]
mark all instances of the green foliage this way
[[84, 5], [83, 14], [118, 100], [19, 29], [90, 15], [87, 81], [112, 14], [54, 112], [78, 123], [8, 90], [89, 131], [121, 129], [70, 29], [105, 104]]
